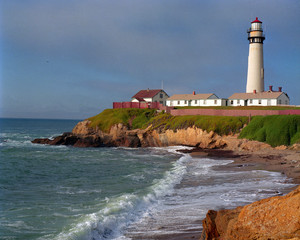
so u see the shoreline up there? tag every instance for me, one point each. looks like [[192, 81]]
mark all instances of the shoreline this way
[[286, 162]]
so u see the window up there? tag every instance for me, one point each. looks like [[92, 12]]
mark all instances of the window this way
[[204, 102], [231, 102], [259, 101], [216, 102], [279, 101], [178, 102], [251, 101], [286, 102], [196, 101], [238, 101], [161, 102], [161, 95], [269, 102], [185, 101]]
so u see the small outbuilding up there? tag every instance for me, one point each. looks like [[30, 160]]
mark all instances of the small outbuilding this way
[[151, 95], [268, 98], [194, 100]]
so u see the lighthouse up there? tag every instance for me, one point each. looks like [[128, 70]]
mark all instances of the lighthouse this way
[[255, 76]]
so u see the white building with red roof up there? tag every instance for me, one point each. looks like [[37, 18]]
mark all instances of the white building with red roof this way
[[151, 95]]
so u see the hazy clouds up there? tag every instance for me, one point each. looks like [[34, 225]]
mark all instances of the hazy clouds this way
[[73, 58]]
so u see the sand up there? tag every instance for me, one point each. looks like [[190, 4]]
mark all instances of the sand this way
[[285, 161]]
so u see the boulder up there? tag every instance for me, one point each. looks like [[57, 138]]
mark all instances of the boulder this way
[[275, 218]]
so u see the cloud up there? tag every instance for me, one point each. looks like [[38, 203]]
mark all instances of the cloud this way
[[117, 47]]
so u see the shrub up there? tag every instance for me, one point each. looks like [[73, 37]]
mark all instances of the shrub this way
[[275, 130]]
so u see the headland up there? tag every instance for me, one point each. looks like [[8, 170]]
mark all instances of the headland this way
[[260, 143]]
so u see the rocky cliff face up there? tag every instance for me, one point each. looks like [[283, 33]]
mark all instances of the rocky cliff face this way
[[84, 136], [275, 218]]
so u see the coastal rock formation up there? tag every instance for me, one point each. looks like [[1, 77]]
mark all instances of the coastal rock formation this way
[[119, 135], [274, 218], [84, 136]]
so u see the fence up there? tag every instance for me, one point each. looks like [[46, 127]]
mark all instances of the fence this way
[[221, 112], [154, 105], [210, 112]]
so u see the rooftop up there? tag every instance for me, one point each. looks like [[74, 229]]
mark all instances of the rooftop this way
[[190, 96], [258, 95], [149, 93]]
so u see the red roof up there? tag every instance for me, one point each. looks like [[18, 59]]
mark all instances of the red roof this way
[[147, 93], [256, 21], [140, 99]]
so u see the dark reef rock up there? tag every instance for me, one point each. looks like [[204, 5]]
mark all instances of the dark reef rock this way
[[70, 139], [94, 140]]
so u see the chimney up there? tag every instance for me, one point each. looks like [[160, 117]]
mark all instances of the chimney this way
[[194, 93], [254, 91], [279, 89], [271, 88], [148, 90]]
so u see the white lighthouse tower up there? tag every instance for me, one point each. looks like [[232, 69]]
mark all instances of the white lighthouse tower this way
[[255, 77]]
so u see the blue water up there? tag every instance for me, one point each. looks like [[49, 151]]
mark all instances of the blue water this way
[[59, 192]]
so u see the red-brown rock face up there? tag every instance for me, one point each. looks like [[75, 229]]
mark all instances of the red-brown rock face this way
[[84, 136], [275, 218]]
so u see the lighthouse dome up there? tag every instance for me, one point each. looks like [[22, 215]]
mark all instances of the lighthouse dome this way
[[256, 21]]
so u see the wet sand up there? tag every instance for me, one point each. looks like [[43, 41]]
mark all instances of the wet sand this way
[[286, 162]]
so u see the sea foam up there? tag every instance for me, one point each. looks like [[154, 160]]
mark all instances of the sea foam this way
[[120, 212]]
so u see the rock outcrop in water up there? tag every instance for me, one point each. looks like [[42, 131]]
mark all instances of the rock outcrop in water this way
[[119, 135], [275, 218]]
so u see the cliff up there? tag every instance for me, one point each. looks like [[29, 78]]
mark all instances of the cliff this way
[[119, 135], [274, 218], [147, 128]]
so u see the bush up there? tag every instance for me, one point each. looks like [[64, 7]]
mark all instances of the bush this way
[[275, 130]]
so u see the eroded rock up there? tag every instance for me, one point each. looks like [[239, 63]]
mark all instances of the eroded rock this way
[[275, 218], [119, 135]]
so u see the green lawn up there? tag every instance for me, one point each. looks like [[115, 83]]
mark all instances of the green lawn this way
[[131, 117]]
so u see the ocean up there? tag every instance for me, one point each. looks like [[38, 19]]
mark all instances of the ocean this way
[[60, 192]]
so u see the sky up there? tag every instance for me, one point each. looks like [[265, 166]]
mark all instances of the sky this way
[[70, 59]]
